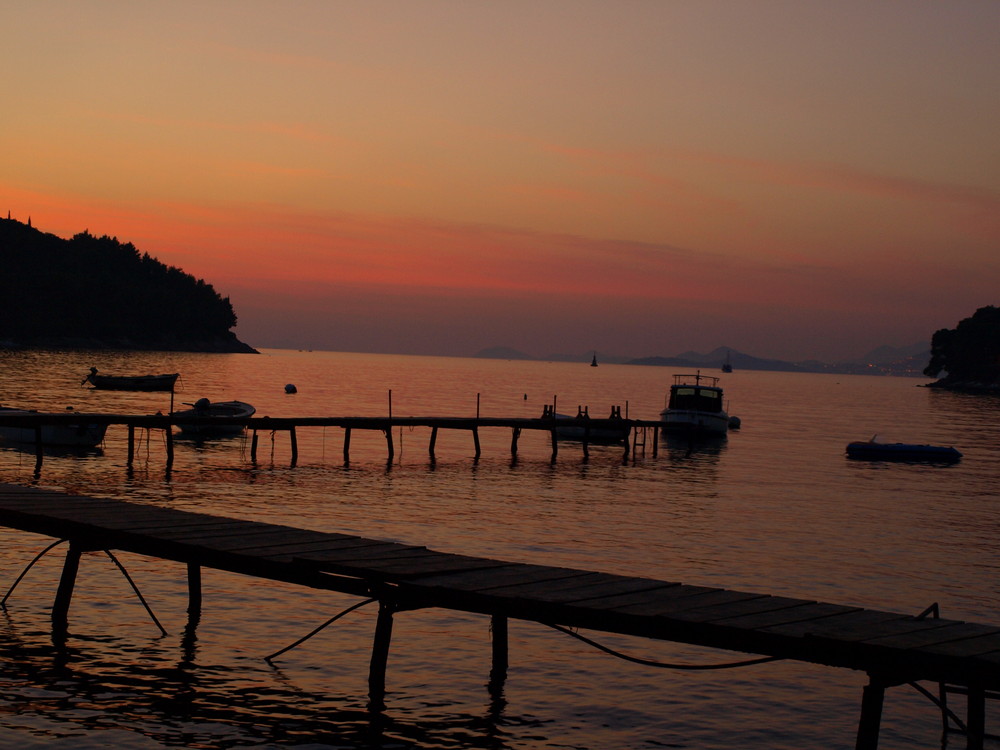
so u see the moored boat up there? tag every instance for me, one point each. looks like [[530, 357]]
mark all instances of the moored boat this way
[[611, 431], [213, 419], [164, 382], [872, 450], [695, 404], [59, 434]]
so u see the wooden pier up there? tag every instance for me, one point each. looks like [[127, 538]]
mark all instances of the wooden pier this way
[[893, 649], [637, 430]]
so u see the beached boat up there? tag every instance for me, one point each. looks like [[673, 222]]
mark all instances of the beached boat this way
[[872, 450], [73, 434], [163, 382], [213, 419], [695, 404]]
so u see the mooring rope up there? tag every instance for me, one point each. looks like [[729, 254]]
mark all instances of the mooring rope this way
[[660, 664], [332, 620], [135, 589], [39, 556]]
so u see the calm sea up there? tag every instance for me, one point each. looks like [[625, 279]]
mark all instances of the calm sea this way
[[775, 508]]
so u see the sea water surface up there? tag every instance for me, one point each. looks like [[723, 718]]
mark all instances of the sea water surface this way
[[775, 508]]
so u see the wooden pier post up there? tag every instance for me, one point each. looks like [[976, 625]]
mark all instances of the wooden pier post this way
[[194, 590], [555, 445], [515, 434], [253, 447], [295, 445], [475, 440], [64, 594], [380, 656], [347, 445], [498, 629], [131, 445], [388, 440], [39, 453], [170, 447], [434, 437], [975, 719], [871, 714]]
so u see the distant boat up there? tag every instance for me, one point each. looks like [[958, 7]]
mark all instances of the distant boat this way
[[727, 366], [213, 419], [78, 435], [164, 382], [695, 405], [873, 450], [593, 362]]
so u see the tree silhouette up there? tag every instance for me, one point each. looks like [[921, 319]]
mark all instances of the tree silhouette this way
[[970, 352], [99, 291]]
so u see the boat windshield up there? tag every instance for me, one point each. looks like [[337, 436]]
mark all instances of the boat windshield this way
[[696, 399]]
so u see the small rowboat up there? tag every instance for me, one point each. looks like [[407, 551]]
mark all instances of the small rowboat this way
[[213, 419], [874, 451], [163, 382]]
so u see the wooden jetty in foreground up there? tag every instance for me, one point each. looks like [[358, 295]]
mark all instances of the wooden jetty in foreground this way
[[893, 649], [636, 429]]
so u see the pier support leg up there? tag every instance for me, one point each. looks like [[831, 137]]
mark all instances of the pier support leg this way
[[871, 714], [295, 445], [498, 673], [253, 447], [434, 437], [475, 440], [975, 721], [380, 656], [170, 448], [555, 446], [388, 440], [131, 446], [194, 591], [60, 608], [347, 445], [39, 453], [515, 434]]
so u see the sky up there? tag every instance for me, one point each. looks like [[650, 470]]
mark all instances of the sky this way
[[794, 179]]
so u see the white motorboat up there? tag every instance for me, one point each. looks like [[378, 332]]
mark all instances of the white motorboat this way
[[695, 405]]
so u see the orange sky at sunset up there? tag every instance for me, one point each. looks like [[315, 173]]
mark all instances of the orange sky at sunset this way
[[793, 179]]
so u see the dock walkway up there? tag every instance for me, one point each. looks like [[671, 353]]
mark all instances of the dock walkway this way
[[892, 648]]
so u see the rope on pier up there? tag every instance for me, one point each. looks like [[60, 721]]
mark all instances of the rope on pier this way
[[660, 664], [135, 589], [332, 620], [39, 556]]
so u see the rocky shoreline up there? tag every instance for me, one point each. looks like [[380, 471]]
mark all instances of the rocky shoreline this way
[[224, 345]]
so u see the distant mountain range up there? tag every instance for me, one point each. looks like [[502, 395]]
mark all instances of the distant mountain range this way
[[884, 360]]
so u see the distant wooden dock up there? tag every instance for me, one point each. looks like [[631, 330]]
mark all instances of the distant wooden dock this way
[[640, 432], [893, 649]]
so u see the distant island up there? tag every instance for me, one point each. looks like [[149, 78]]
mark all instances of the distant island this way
[[885, 360], [96, 292]]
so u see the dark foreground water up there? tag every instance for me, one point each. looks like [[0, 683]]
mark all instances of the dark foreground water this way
[[775, 508]]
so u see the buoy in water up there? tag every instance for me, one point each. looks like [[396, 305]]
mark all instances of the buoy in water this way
[[290, 388]]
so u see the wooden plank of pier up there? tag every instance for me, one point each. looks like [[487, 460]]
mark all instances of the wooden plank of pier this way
[[892, 648]]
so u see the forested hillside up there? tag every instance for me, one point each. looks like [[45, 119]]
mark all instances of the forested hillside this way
[[98, 292]]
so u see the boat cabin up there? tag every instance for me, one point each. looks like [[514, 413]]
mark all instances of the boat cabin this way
[[688, 393]]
